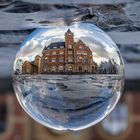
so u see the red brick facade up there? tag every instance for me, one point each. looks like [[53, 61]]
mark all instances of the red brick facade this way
[[67, 57]]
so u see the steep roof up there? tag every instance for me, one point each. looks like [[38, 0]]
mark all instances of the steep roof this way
[[69, 31], [55, 45]]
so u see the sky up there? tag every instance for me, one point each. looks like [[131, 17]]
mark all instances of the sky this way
[[101, 45]]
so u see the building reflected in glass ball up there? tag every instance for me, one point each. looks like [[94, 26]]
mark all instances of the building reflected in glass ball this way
[[68, 77]]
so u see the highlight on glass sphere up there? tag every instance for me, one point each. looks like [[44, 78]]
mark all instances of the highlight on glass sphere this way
[[68, 77]]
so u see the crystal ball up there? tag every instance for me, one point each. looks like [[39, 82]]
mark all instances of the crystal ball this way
[[68, 77]]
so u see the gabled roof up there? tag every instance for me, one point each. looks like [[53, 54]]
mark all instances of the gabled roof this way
[[55, 45]]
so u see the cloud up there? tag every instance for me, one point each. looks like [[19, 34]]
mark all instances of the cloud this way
[[102, 46], [31, 48]]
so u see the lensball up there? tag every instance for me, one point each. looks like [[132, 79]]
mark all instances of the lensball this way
[[68, 77]]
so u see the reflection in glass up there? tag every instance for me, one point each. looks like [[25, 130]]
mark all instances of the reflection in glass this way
[[68, 77]]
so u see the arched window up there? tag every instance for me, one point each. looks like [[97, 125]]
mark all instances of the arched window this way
[[70, 68]]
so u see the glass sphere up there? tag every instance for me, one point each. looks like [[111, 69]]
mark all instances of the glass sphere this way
[[68, 77]]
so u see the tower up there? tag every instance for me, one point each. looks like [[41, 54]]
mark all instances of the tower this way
[[69, 39], [69, 51]]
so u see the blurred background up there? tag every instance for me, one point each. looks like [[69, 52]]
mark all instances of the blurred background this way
[[120, 19]]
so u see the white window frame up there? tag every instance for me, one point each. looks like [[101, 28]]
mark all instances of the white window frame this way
[[61, 52], [61, 58], [53, 52], [69, 46], [53, 59]]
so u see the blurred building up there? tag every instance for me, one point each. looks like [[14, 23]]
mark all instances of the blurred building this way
[[122, 124]]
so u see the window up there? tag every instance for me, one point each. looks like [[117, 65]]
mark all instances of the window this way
[[78, 52], [53, 69], [69, 46], [53, 59], [61, 68], [85, 53], [85, 60], [61, 52], [80, 47], [79, 59], [53, 52], [70, 59], [61, 59], [70, 68], [69, 52]]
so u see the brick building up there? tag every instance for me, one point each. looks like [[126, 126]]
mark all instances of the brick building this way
[[31, 67], [67, 57], [63, 57]]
